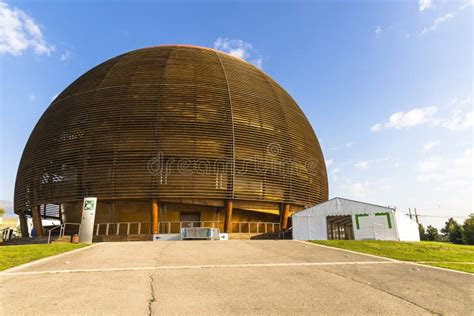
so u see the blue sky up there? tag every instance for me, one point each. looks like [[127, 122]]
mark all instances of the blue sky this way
[[387, 85]]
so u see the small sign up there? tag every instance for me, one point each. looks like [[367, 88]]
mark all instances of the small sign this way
[[87, 220], [89, 204]]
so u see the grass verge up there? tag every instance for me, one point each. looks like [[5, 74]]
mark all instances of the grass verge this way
[[11, 256], [445, 255]]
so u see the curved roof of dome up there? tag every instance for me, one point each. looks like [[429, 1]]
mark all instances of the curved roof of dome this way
[[172, 122]]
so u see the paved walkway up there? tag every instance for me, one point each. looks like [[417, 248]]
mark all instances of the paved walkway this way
[[230, 277]]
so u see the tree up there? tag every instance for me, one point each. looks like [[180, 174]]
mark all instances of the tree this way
[[468, 230], [432, 233], [2, 211], [421, 229], [456, 235], [452, 231], [448, 226]]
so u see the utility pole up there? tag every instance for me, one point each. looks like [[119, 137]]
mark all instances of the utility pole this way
[[409, 212], [416, 216]]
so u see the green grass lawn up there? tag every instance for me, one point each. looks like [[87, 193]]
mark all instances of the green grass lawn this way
[[445, 255], [11, 256]]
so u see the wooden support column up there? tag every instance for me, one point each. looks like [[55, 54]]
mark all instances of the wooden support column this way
[[23, 225], [228, 217], [155, 206], [35, 212], [284, 217]]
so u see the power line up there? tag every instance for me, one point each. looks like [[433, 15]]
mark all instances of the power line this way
[[441, 216]]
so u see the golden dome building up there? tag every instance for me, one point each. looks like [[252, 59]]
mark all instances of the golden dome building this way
[[172, 136]]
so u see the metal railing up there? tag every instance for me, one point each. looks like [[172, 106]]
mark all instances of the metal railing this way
[[62, 230], [106, 229], [51, 230], [167, 227], [255, 227], [170, 227], [120, 228], [174, 227], [6, 233]]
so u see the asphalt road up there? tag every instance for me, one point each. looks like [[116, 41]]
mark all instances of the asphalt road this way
[[230, 277]]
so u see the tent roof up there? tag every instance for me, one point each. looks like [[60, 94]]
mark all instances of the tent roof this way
[[341, 206]]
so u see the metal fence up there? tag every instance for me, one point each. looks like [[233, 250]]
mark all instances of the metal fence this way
[[166, 227], [64, 229], [124, 228], [174, 227], [7, 233]]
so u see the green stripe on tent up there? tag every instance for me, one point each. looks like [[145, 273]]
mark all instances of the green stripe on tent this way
[[357, 219], [389, 221]]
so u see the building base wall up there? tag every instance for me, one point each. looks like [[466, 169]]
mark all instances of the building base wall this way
[[170, 216]]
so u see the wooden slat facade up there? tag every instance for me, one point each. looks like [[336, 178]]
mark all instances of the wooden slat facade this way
[[172, 122]]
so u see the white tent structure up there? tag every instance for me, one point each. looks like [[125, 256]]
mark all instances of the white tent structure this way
[[341, 218]]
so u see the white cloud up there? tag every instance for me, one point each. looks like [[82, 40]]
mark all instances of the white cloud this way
[[429, 165], [376, 127], [258, 62], [334, 177], [239, 49], [428, 146], [329, 162], [457, 116], [424, 5], [234, 47], [400, 120], [345, 145], [411, 118], [361, 165], [19, 32], [444, 18], [378, 30], [460, 121], [466, 4], [437, 22], [462, 116], [32, 97], [449, 174], [65, 56], [360, 191], [367, 190]]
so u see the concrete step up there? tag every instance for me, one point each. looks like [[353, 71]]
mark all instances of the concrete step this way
[[65, 238]]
